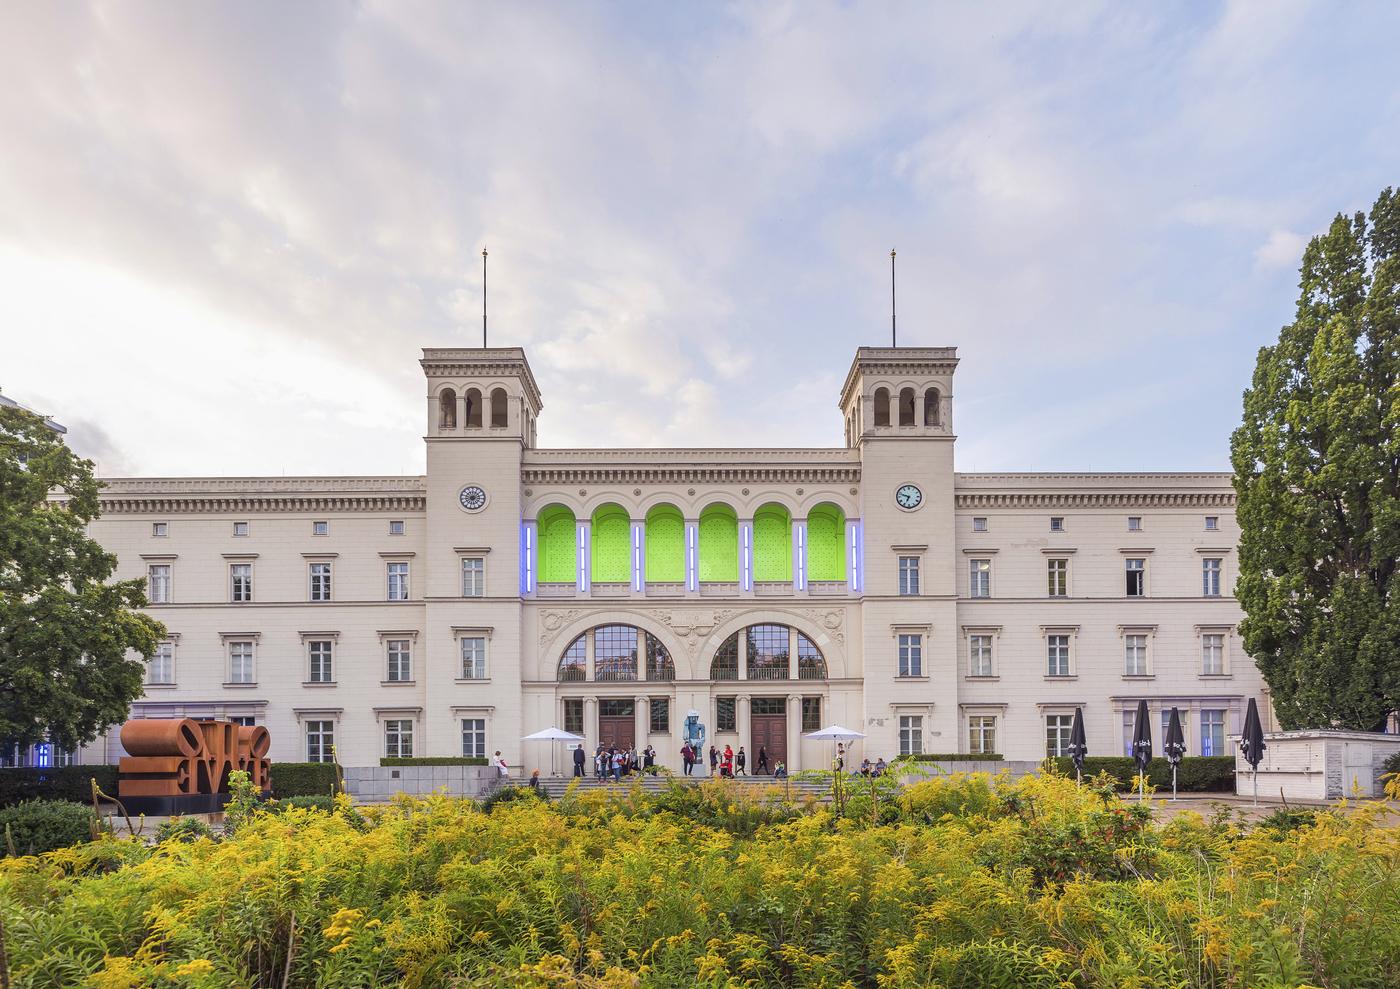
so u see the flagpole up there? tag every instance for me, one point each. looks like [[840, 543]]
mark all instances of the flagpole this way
[[483, 298], [894, 337]]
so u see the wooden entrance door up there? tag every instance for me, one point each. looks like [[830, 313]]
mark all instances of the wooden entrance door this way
[[617, 724], [768, 732]]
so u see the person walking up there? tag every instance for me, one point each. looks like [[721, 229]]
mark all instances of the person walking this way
[[601, 766], [648, 757], [714, 759], [740, 761], [618, 761], [578, 761], [687, 758], [761, 767]]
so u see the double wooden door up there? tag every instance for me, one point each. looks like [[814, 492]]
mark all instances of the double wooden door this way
[[769, 733]]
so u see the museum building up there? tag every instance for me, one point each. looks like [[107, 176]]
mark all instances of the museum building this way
[[611, 593]]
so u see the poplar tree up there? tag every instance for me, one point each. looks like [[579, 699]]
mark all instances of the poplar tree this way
[[1317, 475], [67, 631]]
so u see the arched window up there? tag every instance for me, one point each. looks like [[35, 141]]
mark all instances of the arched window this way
[[612, 552], [473, 399], [769, 649], [659, 663], [558, 537], [573, 665], [826, 543], [665, 545], [614, 653], [906, 407], [447, 409], [498, 407], [772, 544], [931, 407], [719, 545], [725, 665], [882, 406], [811, 665]]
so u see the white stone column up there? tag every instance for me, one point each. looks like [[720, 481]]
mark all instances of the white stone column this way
[[641, 724], [792, 653], [743, 723], [794, 732], [588, 654], [743, 653], [590, 728]]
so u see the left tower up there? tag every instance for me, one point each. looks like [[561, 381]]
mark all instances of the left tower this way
[[482, 405]]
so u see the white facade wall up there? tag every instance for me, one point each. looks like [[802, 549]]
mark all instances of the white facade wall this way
[[855, 624]]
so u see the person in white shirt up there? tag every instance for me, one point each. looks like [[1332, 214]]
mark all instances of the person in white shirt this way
[[499, 762]]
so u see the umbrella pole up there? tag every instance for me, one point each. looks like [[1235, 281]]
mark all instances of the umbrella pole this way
[[1173, 781], [1256, 786]]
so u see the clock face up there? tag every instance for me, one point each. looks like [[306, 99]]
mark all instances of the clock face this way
[[909, 497], [472, 498]]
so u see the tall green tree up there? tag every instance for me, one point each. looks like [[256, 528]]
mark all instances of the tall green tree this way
[[66, 630], [1317, 474]]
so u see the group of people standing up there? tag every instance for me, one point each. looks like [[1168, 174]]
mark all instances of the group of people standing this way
[[728, 763], [611, 762]]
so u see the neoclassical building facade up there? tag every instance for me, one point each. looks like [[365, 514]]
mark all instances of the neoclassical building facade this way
[[613, 592]]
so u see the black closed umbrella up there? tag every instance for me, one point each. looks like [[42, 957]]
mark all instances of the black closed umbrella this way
[[1078, 744], [1252, 743], [1174, 745], [1142, 743]]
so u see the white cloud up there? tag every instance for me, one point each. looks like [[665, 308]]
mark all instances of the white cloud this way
[[1283, 249]]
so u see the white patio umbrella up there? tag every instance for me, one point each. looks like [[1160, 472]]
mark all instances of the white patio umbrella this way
[[552, 734], [835, 733]]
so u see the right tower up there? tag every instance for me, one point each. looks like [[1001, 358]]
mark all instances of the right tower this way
[[897, 404]]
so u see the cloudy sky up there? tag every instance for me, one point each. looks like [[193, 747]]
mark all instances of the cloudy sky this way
[[227, 229]]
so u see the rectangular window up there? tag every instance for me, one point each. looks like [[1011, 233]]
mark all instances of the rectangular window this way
[[1058, 574], [724, 714], [400, 655], [660, 711], [911, 734], [246, 720], [1213, 653], [320, 581], [158, 583], [240, 662], [979, 525], [241, 582], [979, 578], [1212, 523], [982, 734], [1136, 571], [396, 527], [160, 529], [474, 735], [979, 655], [1129, 723], [320, 741], [811, 714], [240, 528], [398, 581], [1210, 577], [320, 528], [1134, 523], [908, 576], [160, 668], [573, 715], [398, 738], [1135, 655], [1213, 733], [1057, 729], [1057, 655], [473, 658], [318, 655], [911, 655], [473, 577], [1057, 523]]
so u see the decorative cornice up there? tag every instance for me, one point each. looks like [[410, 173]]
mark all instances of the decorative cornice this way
[[1095, 499], [482, 362], [898, 362], [797, 466]]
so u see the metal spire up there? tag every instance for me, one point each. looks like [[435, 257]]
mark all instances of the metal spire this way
[[483, 298], [894, 339]]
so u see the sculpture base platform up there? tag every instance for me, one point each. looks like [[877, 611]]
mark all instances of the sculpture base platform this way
[[185, 803]]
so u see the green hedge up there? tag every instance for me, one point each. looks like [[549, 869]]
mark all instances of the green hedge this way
[[958, 757], [38, 826], [303, 779], [1199, 774], [61, 783], [436, 760]]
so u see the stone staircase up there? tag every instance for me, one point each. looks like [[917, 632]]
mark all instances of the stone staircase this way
[[787, 789]]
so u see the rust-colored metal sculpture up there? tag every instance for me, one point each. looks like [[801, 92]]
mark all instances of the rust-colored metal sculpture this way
[[181, 766]]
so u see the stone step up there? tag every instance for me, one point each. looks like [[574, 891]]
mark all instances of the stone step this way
[[555, 787]]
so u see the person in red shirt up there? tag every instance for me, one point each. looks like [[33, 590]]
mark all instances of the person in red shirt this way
[[726, 765]]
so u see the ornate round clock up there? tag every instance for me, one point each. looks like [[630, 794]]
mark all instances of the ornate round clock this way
[[909, 497], [472, 498]]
